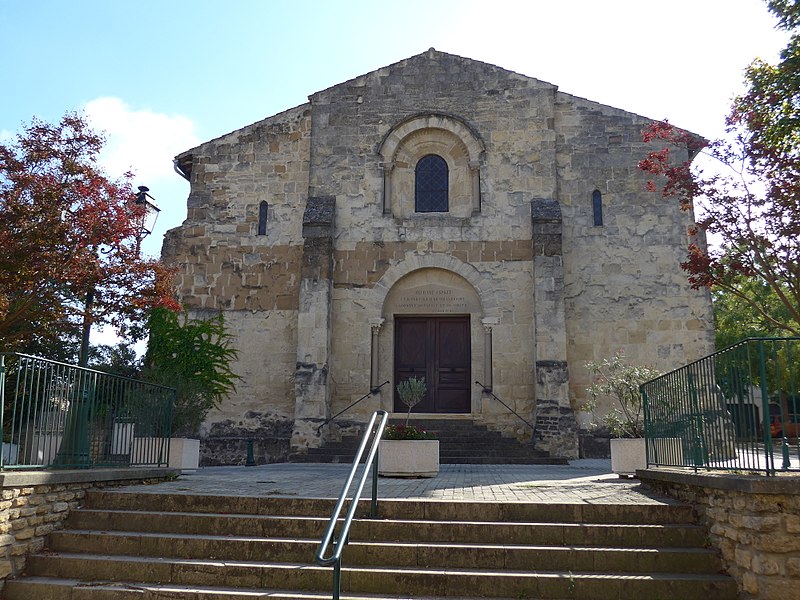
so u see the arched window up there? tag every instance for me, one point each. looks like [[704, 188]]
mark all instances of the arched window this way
[[431, 184], [263, 209], [597, 207]]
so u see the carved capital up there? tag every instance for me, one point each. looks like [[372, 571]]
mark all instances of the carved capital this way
[[488, 323]]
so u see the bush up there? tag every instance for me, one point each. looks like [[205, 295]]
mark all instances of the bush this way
[[194, 357], [619, 380]]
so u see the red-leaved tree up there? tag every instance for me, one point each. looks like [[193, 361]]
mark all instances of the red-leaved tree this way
[[69, 250], [750, 209]]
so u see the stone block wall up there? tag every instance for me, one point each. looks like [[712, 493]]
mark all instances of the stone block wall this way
[[753, 521], [624, 287], [33, 504], [226, 264]]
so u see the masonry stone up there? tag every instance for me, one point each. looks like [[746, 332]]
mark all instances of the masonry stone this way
[[332, 292]]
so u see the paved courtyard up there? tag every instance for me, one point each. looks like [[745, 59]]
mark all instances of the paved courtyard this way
[[582, 481]]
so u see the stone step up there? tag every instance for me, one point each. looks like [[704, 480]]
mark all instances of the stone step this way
[[503, 460], [477, 448], [422, 531], [41, 588], [391, 508], [399, 554], [144, 546], [460, 442], [50, 588], [385, 580]]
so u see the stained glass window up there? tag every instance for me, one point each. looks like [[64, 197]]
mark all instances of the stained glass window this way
[[263, 209], [431, 184], [597, 207]]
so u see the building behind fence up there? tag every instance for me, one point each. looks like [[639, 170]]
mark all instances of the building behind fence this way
[[737, 409], [56, 415]]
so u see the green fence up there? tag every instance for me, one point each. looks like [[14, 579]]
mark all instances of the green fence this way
[[56, 415], [737, 409]]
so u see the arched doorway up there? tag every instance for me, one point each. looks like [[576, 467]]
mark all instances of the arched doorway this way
[[433, 317]]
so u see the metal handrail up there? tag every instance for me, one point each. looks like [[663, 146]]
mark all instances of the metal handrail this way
[[341, 541], [372, 392], [489, 391]]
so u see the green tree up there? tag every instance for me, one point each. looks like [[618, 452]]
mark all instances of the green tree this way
[[193, 356], [120, 359], [752, 209], [736, 320]]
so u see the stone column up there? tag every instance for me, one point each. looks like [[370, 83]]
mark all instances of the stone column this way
[[556, 427], [388, 167], [475, 173], [488, 323], [311, 387], [375, 325]]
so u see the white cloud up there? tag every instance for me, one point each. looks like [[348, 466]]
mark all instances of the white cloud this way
[[145, 142], [140, 141]]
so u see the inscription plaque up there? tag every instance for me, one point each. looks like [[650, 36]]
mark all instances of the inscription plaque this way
[[433, 299]]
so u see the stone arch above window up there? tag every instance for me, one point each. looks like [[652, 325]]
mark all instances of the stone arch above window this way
[[415, 138]]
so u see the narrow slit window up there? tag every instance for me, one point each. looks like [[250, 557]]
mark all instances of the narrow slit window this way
[[597, 208], [263, 209], [431, 184]]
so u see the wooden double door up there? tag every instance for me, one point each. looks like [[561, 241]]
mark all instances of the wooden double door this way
[[438, 349]]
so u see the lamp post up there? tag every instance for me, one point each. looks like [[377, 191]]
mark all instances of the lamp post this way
[[145, 222], [74, 449]]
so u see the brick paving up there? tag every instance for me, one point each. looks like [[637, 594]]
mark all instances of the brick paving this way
[[582, 481]]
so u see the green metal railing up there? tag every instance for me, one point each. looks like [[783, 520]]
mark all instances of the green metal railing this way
[[339, 540], [56, 415], [737, 409]]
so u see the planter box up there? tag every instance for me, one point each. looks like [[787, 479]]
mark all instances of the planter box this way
[[409, 458], [184, 454], [627, 455]]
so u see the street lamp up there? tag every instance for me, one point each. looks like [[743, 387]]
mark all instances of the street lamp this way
[[146, 223], [74, 449]]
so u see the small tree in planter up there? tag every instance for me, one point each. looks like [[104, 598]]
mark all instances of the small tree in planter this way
[[411, 392], [615, 378], [408, 450]]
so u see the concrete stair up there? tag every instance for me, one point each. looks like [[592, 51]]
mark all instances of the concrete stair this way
[[460, 442], [125, 545]]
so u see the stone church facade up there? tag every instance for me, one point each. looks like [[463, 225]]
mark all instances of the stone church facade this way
[[438, 217]]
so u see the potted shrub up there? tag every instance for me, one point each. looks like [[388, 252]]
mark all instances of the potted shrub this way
[[616, 379], [408, 451]]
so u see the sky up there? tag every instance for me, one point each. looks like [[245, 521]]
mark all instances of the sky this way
[[159, 78]]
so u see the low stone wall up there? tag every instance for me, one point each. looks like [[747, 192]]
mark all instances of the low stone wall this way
[[34, 503], [754, 521]]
